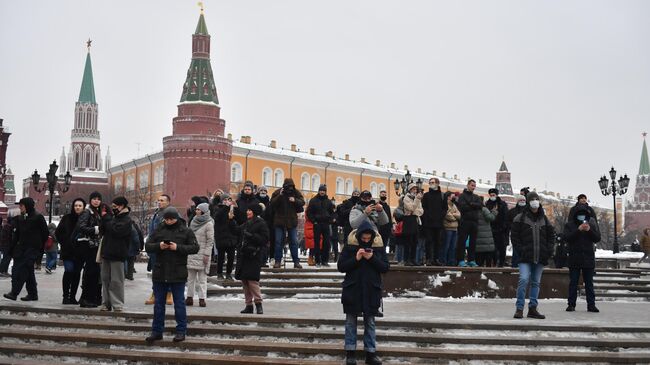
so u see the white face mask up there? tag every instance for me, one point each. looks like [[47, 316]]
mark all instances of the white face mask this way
[[434, 186], [263, 195], [534, 204], [493, 198], [521, 204]]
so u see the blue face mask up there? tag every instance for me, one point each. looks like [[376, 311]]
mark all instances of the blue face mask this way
[[582, 217]]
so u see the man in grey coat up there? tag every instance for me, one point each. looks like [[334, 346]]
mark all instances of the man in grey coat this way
[[368, 209]]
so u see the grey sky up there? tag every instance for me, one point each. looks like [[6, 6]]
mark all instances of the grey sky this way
[[560, 88]]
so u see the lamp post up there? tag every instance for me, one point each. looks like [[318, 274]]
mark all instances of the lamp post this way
[[614, 188], [404, 183], [51, 184]]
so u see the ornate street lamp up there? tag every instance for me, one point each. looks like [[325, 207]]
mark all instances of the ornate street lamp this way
[[51, 185], [405, 182], [614, 188]]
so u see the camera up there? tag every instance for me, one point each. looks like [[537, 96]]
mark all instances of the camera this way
[[167, 242], [368, 250]]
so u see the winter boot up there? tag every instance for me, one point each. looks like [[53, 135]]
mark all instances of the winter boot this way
[[310, 261], [189, 301], [592, 308], [277, 265], [462, 263], [297, 265], [153, 337], [202, 303], [372, 359], [533, 313], [571, 308], [151, 300], [472, 264], [258, 308], [247, 310], [350, 359], [519, 313]]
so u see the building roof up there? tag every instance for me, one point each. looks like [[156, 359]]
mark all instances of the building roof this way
[[644, 166], [503, 167], [201, 28], [199, 84], [9, 186], [87, 92]]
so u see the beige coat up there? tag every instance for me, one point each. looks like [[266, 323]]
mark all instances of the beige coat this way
[[452, 218]]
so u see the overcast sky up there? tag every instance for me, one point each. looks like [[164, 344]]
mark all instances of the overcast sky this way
[[561, 89]]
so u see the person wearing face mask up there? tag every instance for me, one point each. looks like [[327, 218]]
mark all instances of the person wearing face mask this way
[[286, 204], [225, 235], [470, 207], [386, 230], [246, 199], [70, 253], [117, 228], [582, 203], [581, 234], [320, 212], [498, 226], [510, 216], [88, 238], [533, 237], [368, 210], [435, 210]]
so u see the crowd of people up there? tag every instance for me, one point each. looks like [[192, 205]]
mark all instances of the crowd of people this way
[[243, 233]]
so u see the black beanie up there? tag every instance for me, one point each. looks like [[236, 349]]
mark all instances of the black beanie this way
[[257, 209], [95, 194], [120, 200], [322, 187], [493, 190]]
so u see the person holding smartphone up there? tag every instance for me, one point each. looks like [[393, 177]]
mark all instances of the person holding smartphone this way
[[172, 243], [363, 260]]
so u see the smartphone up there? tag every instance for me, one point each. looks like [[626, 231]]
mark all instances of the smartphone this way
[[368, 249], [167, 242]]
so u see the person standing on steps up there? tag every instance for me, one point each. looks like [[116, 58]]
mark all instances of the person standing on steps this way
[[255, 234], [70, 253], [581, 233], [172, 242], [88, 237], [470, 207], [198, 265], [30, 235], [286, 203], [533, 237]]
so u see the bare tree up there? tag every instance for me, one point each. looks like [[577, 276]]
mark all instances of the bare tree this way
[[141, 203]]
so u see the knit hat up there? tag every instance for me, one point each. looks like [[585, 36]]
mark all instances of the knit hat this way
[[411, 186], [322, 187], [366, 194], [493, 190], [582, 196], [249, 184], [120, 200], [532, 196], [204, 208], [257, 209], [519, 197], [170, 213], [356, 190], [262, 188], [95, 194], [225, 196]]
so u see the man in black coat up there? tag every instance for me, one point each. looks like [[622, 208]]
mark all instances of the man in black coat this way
[[363, 260], [245, 200], [470, 206], [30, 234], [172, 242], [582, 202], [6, 241], [581, 233], [499, 225], [343, 214], [320, 212], [533, 237], [435, 210]]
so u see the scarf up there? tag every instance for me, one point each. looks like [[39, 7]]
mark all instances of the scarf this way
[[199, 221]]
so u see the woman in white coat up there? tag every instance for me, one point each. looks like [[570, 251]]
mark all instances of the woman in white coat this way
[[198, 265]]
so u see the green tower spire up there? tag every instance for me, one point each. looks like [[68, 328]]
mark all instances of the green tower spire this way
[[199, 84], [87, 92], [644, 166]]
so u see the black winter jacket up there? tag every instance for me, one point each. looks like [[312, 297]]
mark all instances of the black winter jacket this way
[[320, 210], [285, 212], [470, 206], [65, 236], [343, 212], [500, 224], [30, 234], [362, 286], [533, 237], [435, 209], [88, 227], [581, 244], [243, 203], [117, 236], [226, 233], [255, 235], [171, 266]]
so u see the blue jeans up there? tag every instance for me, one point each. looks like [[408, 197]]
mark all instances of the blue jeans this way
[[369, 338], [399, 253], [448, 250], [419, 250], [529, 273], [160, 294], [280, 234], [50, 259], [515, 258]]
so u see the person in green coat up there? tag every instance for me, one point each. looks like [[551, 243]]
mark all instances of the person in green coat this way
[[485, 240]]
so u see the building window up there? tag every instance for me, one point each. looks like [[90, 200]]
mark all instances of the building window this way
[[267, 176], [278, 177], [315, 182], [130, 182], [236, 172], [304, 181], [159, 175], [144, 179], [382, 187], [373, 189], [340, 187], [118, 185], [349, 186]]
